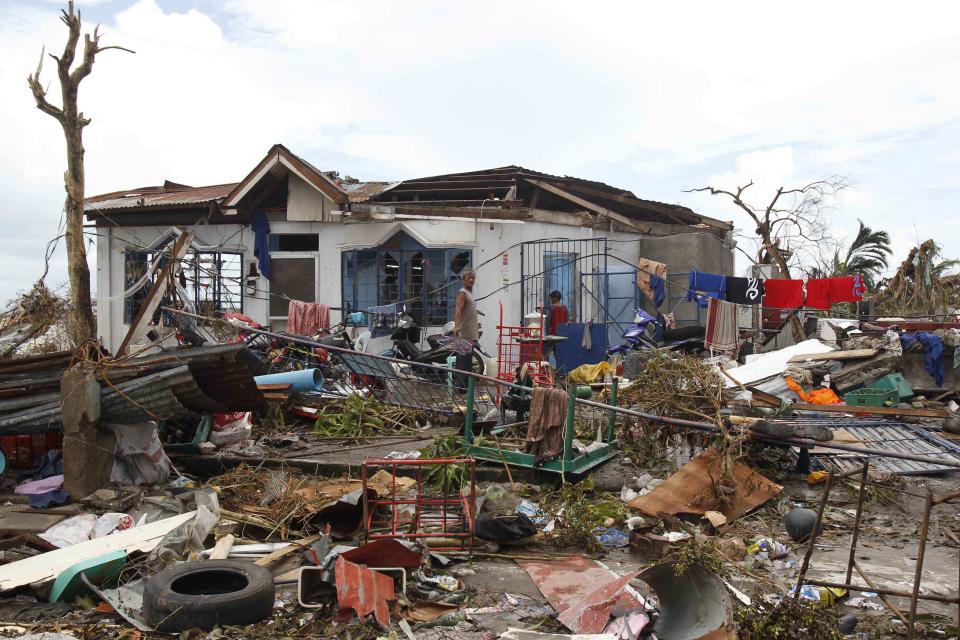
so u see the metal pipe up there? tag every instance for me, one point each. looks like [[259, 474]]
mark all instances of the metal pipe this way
[[468, 419], [856, 520], [570, 422], [612, 418], [679, 422], [921, 551], [813, 534]]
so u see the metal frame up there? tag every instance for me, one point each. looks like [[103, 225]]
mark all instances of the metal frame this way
[[430, 511], [567, 463], [930, 501]]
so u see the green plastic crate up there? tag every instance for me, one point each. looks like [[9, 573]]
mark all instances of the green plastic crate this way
[[870, 397], [201, 435], [894, 381]]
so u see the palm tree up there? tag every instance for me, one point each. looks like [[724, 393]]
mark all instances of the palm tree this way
[[866, 256]]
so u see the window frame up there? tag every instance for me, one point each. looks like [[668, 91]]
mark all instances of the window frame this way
[[427, 311]]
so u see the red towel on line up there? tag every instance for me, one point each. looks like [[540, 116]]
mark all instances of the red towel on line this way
[[845, 290], [823, 292], [783, 294], [818, 293]]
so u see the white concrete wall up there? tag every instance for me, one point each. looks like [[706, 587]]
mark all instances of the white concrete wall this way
[[486, 239]]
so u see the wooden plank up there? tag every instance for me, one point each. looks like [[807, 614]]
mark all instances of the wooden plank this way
[[676, 211], [274, 387], [853, 354], [583, 202], [878, 411], [48, 566], [276, 396], [273, 558], [221, 550]]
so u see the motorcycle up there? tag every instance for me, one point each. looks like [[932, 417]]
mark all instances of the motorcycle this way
[[637, 337], [406, 337]]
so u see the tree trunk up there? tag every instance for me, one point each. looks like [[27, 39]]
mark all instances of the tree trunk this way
[[83, 325]]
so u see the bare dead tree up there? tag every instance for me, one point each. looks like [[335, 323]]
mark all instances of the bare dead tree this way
[[797, 214], [73, 121], [791, 213]]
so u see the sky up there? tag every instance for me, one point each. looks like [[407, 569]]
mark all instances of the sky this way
[[657, 98]]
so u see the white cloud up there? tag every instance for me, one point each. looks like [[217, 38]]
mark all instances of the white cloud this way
[[656, 98]]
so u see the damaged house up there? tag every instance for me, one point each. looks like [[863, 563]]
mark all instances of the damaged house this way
[[354, 245]]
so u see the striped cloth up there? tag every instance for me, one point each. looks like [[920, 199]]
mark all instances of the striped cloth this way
[[723, 331]]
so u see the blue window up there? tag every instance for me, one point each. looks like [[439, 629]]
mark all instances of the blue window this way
[[403, 270]]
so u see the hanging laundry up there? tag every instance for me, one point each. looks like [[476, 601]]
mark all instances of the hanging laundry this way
[[548, 408], [824, 292], [723, 328], [261, 242], [783, 294], [307, 318], [710, 284], [650, 279], [818, 293], [659, 287], [932, 352], [846, 289], [745, 290]]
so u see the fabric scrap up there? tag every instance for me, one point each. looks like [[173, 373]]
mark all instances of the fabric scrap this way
[[261, 242], [932, 353], [818, 293]]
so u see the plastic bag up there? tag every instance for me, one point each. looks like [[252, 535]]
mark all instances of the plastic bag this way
[[141, 458], [110, 522], [70, 531]]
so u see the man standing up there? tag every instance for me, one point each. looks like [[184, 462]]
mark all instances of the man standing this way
[[466, 322]]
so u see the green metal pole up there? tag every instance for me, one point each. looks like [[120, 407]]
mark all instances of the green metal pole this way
[[612, 418], [468, 421], [568, 434]]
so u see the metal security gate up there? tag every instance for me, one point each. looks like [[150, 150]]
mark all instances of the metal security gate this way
[[557, 265], [595, 287]]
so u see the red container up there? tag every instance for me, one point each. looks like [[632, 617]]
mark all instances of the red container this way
[[23, 450]]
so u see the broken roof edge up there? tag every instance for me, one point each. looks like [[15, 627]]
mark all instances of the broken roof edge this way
[[279, 154]]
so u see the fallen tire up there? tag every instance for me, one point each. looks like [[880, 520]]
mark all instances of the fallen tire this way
[[206, 594]]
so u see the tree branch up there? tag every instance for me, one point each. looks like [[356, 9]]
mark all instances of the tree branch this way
[[40, 94]]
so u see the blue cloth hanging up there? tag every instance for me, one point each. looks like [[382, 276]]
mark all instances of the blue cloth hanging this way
[[659, 291], [711, 285], [261, 242], [932, 352]]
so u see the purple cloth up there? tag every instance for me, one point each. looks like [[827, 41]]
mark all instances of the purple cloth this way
[[36, 487]]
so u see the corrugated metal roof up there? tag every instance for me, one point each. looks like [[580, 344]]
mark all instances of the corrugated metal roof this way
[[363, 191], [164, 196]]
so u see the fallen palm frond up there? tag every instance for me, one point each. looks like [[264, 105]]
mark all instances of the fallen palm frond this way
[[921, 284], [357, 417], [679, 386], [282, 502], [29, 318]]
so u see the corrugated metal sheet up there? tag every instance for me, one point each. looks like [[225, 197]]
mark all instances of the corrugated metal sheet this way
[[890, 435], [158, 197], [165, 385], [363, 191]]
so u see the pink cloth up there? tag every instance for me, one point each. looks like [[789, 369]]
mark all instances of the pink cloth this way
[[307, 318], [36, 487]]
